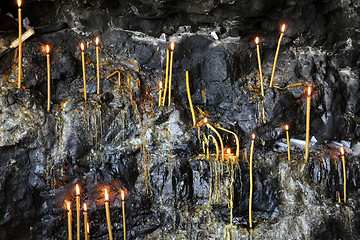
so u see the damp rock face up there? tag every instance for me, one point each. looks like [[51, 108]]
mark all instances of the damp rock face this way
[[122, 140]]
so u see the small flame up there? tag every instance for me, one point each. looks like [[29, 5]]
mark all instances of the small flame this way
[[286, 127], [77, 189], [19, 3], [172, 46], [257, 39], [88, 227], [253, 136], [97, 40], [205, 120], [342, 151], [85, 207], [309, 91], [122, 195], [82, 46], [106, 195], [68, 206], [160, 85], [283, 28], [228, 151], [47, 49]]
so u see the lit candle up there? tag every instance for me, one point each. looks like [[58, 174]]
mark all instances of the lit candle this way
[[108, 214], [166, 77], [20, 44], [344, 170], [259, 62], [77, 190], [160, 92], [307, 124], [82, 47], [277, 53], [189, 97], [172, 47], [88, 230], [69, 220], [123, 211], [48, 75], [97, 64], [236, 139], [251, 179], [287, 140], [219, 136], [86, 224]]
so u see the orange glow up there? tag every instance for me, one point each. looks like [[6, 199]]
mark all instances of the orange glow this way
[[47, 49], [97, 40], [342, 151], [77, 189], [253, 136], [283, 28], [257, 40], [106, 195], [228, 151], [205, 120], [172, 46], [82, 46], [286, 127], [19, 3], [160, 85], [68, 206], [122, 195], [309, 91], [85, 207]]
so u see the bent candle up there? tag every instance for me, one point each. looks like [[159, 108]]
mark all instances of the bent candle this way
[[251, 179]]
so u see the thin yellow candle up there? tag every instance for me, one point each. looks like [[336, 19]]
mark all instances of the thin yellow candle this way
[[82, 47], [287, 140], [277, 53], [69, 220], [77, 190], [20, 44], [172, 47], [97, 65], [257, 39], [86, 221], [308, 105], [219, 136], [108, 214], [48, 76], [189, 97], [344, 170], [166, 77], [160, 93], [251, 179], [123, 211]]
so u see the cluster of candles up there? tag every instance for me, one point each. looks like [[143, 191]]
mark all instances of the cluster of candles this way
[[86, 222], [168, 77]]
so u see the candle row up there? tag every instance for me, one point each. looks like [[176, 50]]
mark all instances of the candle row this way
[[86, 223]]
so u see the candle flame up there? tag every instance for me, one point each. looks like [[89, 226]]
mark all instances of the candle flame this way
[[228, 151], [342, 151], [283, 28], [253, 136], [47, 49], [205, 120], [257, 39], [77, 189], [19, 3], [172, 46], [68, 205], [85, 207], [286, 127], [309, 91], [88, 227], [122, 195], [106, 195], [97, 40], [82, 46], [160, 85]]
